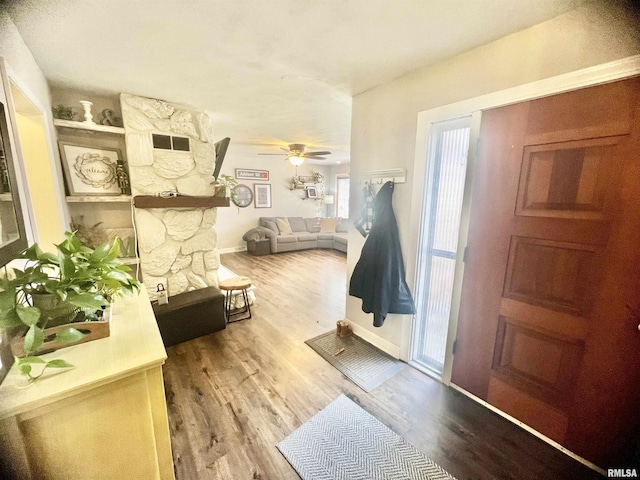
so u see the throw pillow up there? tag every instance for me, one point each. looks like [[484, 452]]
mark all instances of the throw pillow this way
[[271, 226], [283, 226], [343, 225], [328, 225], [297, 224], [313, 224]]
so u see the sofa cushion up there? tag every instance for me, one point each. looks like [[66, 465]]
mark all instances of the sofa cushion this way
[[328, 225], [305, 236], [313, 224], [290, 238], [343, 225], [325, 236], [297, 224], [283, 226], [340, 238]]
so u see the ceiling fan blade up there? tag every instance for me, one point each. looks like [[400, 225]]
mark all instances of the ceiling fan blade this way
[[316, 158], [280, 154], [317, 153], [285, 149]]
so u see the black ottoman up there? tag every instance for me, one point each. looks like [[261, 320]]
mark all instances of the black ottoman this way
[[190, 315]]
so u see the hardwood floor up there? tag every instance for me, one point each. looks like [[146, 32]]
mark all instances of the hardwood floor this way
[[233, 395]]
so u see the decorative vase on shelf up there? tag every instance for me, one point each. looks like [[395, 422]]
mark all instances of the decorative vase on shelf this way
[[88, 117]]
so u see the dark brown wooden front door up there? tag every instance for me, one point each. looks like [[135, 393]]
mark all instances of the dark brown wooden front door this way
[[553, 260]]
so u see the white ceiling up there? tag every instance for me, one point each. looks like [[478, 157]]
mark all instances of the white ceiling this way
[[271, 72]]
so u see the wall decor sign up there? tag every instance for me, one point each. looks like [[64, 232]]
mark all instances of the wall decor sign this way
[[252, 174], [262, 195], [89, 170]]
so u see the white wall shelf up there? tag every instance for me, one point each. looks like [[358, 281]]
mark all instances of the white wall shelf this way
[[99, 199], [395, 175], [93, 127]]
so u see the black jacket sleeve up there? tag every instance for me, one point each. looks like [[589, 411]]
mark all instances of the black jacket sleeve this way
[[379, 276]]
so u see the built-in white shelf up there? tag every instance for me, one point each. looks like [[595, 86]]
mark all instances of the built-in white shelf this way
[[94, 127], [98, 198]]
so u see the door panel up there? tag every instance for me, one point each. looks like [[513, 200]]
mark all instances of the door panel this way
[[549, 421], [542, 363], [543, 331], [549, 273], [567, 180]]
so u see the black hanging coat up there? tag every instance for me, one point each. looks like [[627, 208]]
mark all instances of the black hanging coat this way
[[379, 276]]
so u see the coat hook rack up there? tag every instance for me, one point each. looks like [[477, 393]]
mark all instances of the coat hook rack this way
[[379, 177]]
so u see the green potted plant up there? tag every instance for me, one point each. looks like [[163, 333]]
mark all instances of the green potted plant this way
[[225, 186], [74, 284], [296, 182]]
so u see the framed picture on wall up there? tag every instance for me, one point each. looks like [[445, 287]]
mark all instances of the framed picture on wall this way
[[312, 192], [262, 195], [89, 170]]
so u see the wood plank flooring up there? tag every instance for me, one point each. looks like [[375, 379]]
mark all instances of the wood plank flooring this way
[[233, 395]]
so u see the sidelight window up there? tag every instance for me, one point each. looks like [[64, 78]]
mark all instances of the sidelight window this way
[[448, 148]]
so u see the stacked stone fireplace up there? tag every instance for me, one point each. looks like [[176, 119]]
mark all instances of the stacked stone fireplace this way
[[178, 246]]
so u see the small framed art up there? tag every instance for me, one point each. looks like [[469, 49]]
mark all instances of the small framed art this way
[[262, 195], [89, 170], [312, 192]]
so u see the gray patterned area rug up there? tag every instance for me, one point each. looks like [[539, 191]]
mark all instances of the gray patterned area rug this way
[[344, 442], [364, 364]]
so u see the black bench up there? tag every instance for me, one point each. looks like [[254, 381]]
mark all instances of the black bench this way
[[190, 315]]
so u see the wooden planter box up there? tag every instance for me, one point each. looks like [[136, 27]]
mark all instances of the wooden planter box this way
[[94, 330]]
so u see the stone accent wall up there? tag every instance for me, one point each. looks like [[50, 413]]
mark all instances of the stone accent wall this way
[[178, 247]]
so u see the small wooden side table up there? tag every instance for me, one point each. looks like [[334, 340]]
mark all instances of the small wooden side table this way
[[228, 287]]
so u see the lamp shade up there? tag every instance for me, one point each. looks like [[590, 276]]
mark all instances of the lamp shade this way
[[295, 160], [329, 199]]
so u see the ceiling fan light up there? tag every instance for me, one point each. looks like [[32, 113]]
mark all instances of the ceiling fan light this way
[[296, 160]]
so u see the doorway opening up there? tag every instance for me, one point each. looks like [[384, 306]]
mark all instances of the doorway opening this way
[[447, 153], [45, 206], [342, 196]]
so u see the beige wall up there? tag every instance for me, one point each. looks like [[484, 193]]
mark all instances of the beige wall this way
[[32, 134], [27, 76], [233, 222], [384, 119]]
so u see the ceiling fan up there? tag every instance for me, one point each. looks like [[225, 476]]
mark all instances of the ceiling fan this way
[[296, 154]]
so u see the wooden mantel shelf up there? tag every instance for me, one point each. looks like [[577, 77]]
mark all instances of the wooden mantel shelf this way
[[181, 201]]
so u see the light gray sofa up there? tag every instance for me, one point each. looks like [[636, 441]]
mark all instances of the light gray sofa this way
[[306, 233]]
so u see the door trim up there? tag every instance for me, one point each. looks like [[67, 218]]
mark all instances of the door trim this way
[[526, 427], [587, 77]]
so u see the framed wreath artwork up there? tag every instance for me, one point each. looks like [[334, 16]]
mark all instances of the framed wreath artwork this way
[[90, 170]]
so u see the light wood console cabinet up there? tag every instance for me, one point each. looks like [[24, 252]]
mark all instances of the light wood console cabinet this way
[[106, 418]]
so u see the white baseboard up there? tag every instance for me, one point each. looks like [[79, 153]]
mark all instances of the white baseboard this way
[[373, 339], [232, 249]]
